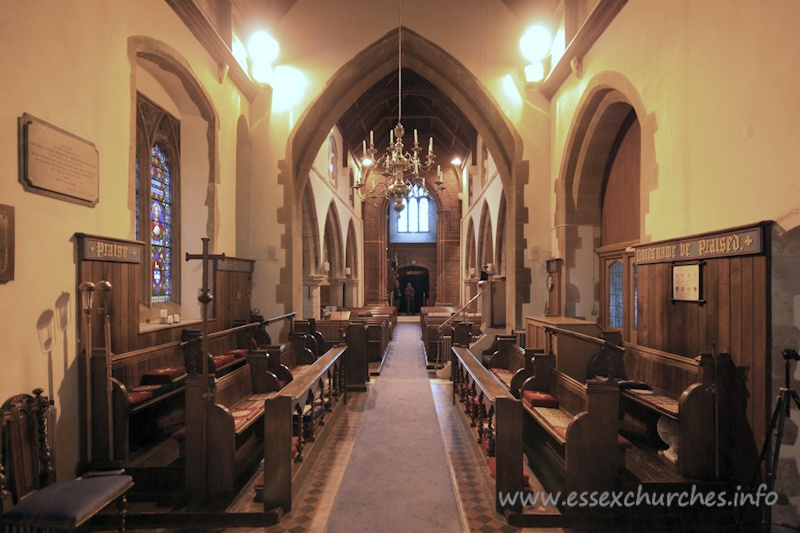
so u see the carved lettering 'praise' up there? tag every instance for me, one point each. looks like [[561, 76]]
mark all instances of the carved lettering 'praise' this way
[[745, 241]]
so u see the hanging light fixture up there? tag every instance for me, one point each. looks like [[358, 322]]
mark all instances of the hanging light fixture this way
[[400, 169]]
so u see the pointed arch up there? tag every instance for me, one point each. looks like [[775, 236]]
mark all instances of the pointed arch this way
[[500, 239], [471, 258], [172, 62], [485, 237], [458, 84], [311, 244], [351, 251], [333, 251]]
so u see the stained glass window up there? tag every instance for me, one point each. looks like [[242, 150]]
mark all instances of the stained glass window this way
[[615, 300], [160, 224]]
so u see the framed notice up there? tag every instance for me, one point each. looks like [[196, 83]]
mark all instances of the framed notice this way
[[56, 163], [6, 243], [687, 285]]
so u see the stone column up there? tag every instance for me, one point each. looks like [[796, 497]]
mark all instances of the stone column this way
[[311, 296], [350, 293], [337, 291]]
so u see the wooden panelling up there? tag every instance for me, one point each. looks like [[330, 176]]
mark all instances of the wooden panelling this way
[[734, 319]]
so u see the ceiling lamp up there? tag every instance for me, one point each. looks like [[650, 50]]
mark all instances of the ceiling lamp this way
[[400, 169]]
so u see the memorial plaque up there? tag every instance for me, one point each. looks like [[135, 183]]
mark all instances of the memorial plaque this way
[[56, 163]]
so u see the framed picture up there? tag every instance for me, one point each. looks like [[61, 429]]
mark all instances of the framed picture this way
[[6, 243], [687, 283]]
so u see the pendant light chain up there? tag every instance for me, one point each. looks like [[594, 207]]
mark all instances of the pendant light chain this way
[[400, 61]]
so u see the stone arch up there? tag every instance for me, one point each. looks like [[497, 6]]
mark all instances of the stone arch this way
[[458, 84], [471, 257], [172, 62], [500, 241], [485, 237], [332, 243], [311, 244], [606, 110], [351, 251]]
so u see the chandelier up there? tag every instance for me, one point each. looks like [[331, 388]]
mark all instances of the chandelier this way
[[400, 169]]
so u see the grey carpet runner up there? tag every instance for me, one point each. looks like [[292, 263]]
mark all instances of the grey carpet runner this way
[[398, 478]]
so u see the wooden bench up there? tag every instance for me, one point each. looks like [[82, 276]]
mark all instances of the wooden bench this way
[[35, 501], [498, 421], [511, 364], [148, 389], [579, 422], [234, 425], [692, 392], [298, 421]]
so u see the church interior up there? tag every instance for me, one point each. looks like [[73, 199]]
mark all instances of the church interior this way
[[432, 252]]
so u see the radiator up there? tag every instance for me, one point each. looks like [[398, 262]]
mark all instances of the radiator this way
[[445, 345], [520, 333]]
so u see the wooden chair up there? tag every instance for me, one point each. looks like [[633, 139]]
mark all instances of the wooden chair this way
[[34, 500]]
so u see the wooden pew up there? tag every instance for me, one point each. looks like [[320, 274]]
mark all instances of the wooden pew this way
[[497, 417], [694, 392], [234, 425], [379, 332], [298, 420], [579, 422], [512, 365], [148, 388]]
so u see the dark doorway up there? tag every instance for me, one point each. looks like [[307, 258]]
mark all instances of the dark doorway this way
[[419, 278]]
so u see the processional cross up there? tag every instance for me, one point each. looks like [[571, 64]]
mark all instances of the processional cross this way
[[205, 298]]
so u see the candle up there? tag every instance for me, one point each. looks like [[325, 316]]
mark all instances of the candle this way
[[163, 313], [391, 137], [170, 319], [430, 146], [176, 318], [364, 146], [371, 139], [439, 170], [416, 141]]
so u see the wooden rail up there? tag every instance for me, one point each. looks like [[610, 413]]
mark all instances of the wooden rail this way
[[497, 415], [303, 409]]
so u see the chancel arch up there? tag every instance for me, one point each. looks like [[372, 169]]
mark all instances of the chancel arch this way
[[458, 84]]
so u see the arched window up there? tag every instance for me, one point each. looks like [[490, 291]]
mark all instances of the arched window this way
[[414, 218], [417, 221], [156, 195], [160, 224]]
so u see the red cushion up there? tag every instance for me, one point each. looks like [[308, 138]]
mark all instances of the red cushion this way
[[533, 398], [153, 390], [139, 396], [238, 354], [624, 443], [561, 430], [222, 360], [163, 375]]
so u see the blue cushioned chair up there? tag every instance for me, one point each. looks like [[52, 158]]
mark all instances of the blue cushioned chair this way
[[34, 500]]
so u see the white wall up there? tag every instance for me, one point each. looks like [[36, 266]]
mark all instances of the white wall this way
[[67, 63]]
